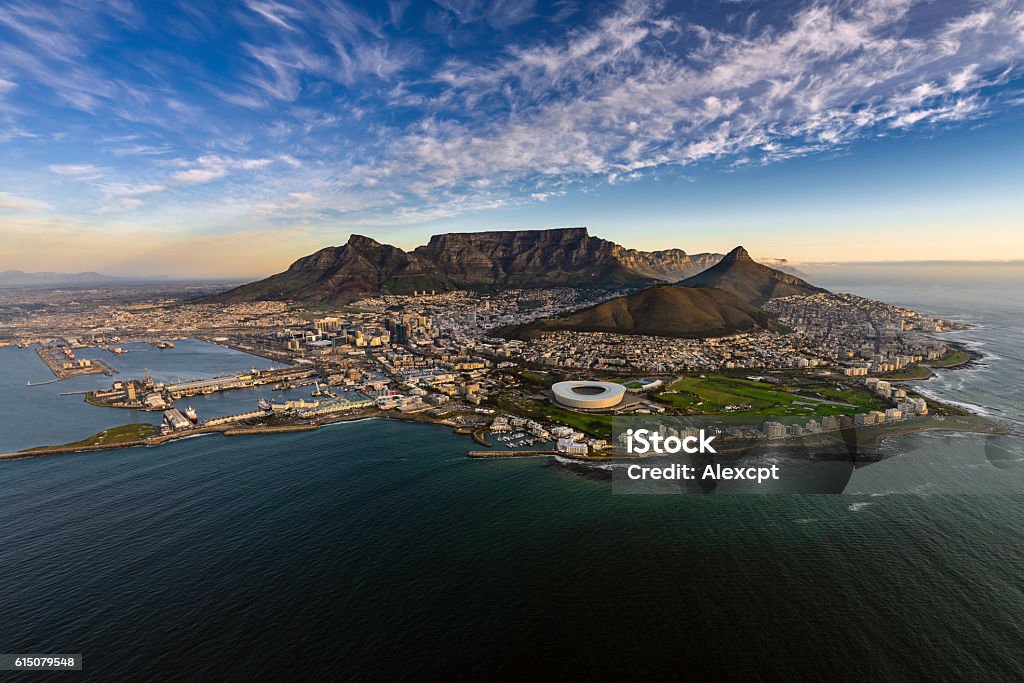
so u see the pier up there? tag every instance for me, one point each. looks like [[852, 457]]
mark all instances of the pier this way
[[39, 384], [510, 454]]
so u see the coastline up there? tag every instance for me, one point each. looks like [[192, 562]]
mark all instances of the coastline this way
[[870, 437], [973, 357]]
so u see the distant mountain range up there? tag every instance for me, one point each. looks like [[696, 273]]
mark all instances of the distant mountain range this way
[[564, 257], [19, 278]]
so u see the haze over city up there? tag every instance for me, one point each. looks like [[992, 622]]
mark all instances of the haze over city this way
[[138, 139]]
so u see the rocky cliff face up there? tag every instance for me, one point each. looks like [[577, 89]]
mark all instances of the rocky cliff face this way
[[529, 258], [568, 257], [668, 265]]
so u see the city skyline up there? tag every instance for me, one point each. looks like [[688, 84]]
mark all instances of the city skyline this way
[[149, 139]]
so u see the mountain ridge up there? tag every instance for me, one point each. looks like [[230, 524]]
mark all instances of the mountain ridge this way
[[560, 257], [21, 278]]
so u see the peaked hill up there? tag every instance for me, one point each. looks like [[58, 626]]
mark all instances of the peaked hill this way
[[663, 310], [750, 281]]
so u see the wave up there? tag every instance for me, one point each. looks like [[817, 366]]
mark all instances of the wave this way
[[607, 467], [972, 407], [186, 438], [348, 422]]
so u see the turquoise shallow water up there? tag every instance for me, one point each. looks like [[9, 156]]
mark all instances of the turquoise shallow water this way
[[377, 550]]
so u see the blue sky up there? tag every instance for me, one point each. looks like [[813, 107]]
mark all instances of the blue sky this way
[[230, 138]]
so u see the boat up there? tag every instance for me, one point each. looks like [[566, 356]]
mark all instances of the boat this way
[[190, 413], [117, 350], [264, 404], [317, 391]]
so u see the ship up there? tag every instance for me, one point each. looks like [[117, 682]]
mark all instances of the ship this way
[[318, 391], [117, 351], [190, 413], [264, 404]]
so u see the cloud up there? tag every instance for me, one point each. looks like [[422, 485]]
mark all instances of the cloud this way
[[276, 13], [198, 175], [500, 14], [77, 170], [330, 42], [293, 201], [213, 167], [142, 150], [13, 203], [381, 119], [641, 90], [122, 190]]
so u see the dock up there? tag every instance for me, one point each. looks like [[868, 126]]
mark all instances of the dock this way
[[63, 364]]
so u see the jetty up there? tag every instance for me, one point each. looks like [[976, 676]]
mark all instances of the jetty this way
[[509, 454], [39, 384]]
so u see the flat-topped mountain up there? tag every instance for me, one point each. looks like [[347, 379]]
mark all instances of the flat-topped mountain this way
[[754, 283], [565, 257], [663, 310]]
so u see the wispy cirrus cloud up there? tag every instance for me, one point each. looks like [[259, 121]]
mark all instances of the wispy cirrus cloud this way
[[81, 171], [213, 167], [623, 95], [421, 111], [21, 204]]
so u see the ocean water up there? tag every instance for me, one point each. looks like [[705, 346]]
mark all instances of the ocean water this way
[[375, 549]]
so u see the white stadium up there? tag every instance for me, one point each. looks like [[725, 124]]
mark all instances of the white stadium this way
[[588, 395]]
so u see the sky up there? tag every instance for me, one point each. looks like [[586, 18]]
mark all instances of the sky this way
[[228, 139]]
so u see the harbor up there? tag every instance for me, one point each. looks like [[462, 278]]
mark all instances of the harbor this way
[[64, 363]]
